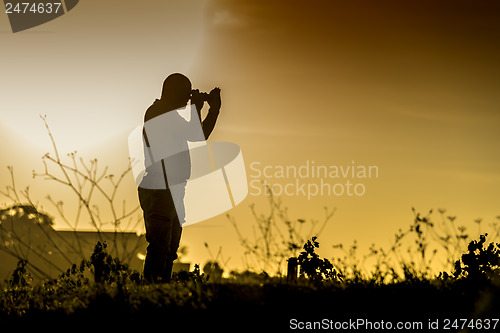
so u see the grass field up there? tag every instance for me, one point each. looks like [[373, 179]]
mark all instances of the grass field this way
[[101, 293]]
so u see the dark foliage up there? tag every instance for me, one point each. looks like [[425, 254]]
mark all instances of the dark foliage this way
[[314, 267], [102, 290], [480, 262]]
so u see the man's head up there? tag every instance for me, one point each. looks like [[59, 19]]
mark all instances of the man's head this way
[[176, 90]]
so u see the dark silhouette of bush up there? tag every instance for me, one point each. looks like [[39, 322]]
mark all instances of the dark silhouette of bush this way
[[213, 271], [313, 267], [186, 276], [480, 262], [20, 277], [107, 269]]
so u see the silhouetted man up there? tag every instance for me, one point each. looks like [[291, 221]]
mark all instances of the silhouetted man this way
[[162, 187]]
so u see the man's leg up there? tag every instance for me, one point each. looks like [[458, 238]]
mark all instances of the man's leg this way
[[175, 231], [154, 264], [163, 233], [175, 237]]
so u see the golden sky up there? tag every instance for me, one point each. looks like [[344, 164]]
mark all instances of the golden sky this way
[[410, 87]]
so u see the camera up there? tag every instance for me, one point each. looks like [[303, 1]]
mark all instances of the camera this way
[[203, 95]]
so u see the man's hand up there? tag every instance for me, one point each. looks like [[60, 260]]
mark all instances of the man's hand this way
[[214, 99], [198, 100]]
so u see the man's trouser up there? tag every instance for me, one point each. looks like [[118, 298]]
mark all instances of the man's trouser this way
[[163, 233]]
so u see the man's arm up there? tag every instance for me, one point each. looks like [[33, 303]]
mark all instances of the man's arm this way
[[208, 123], [197, 100]]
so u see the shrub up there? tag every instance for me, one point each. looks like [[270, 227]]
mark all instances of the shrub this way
[[314, 267], [480, 262]]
